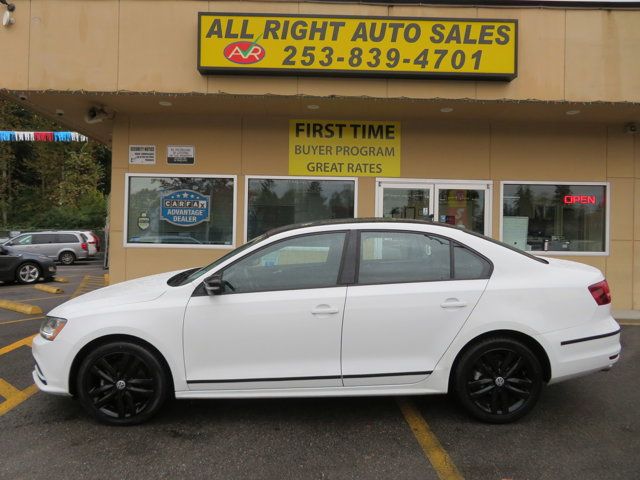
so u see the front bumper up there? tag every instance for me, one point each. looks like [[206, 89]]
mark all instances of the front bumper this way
[[581, 350], [50, 373]]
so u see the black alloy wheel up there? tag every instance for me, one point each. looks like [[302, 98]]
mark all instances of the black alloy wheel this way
[[498, 380], [28, 273], [122, 383], [67, 258]]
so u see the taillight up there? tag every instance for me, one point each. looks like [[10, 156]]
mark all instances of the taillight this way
[[83, 245], [600, 292]]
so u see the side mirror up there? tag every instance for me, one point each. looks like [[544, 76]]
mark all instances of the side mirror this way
[[214, 285]]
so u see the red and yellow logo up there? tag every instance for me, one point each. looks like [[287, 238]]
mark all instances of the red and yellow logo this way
[[244, 52]]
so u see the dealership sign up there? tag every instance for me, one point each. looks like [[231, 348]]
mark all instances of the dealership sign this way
[[357, 46], [342, 148], [185, 208]]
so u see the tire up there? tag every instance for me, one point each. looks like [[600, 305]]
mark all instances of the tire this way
[[121, 383], [28, 273], [498, 380], [67, 258]]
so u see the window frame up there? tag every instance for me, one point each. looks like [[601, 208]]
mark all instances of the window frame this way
[[556, 253], [287, 177], [344, 259], [125, 239], [356, 259]]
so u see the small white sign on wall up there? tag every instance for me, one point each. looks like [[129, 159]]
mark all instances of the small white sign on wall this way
[[181, 154], [142, 154]]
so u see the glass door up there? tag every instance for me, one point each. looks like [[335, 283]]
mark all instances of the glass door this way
[[465, 205], [405, 200]]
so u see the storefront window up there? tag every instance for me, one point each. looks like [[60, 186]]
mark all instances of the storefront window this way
[[555, 218], [277, 202], [180, 210]]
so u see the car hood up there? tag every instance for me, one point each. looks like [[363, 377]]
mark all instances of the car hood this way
[[30, 256], [140, 290]]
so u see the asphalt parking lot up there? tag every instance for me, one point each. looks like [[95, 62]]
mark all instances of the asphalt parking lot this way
[[587, 428]]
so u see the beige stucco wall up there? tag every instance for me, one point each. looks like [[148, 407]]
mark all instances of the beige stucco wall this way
[[150, 46], [462, 151]]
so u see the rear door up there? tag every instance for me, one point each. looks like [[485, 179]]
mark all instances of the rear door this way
[[413, 293]]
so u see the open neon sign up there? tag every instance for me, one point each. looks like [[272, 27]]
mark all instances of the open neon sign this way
[[580, 199]]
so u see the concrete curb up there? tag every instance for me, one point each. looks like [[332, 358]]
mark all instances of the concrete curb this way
[[20, 307], [61, 279], [48, 289]]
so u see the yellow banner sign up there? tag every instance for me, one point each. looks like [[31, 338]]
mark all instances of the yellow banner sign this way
[[357, 46], [341, 148]]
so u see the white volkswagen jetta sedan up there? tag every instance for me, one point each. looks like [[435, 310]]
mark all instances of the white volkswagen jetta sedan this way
[[338, 308]]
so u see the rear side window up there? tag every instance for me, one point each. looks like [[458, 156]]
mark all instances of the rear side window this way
[[468, 265], [400, 257], [42, 238], [66, 238]]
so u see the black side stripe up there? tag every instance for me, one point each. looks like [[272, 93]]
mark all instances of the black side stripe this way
[[293, 379], [586, 339]]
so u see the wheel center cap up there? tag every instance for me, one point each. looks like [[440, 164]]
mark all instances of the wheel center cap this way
[[120, 384], [499, 381]]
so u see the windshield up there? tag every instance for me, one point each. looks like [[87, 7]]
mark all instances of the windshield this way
[[190, 275]]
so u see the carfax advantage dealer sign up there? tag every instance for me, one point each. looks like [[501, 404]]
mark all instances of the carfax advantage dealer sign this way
[[357, 46]]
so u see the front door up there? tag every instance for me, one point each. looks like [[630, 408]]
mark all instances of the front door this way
[[462, 204], [277, 325]]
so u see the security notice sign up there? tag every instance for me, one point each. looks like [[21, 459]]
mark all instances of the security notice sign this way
[[142, 154], [343, 148], [357, 46]]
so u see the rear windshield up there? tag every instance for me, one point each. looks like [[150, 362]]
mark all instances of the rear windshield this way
[[505, 245]]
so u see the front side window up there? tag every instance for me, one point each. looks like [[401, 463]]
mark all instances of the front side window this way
[[273, 203], [180, 210], [23, 240], [398, 257], [555, 218], [308, 261]]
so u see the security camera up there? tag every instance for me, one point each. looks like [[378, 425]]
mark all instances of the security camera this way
[[96, 115], [7, 19], [631, 128]]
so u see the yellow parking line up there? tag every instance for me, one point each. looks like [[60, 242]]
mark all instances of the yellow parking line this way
[[20, 320], [630, 324], [13, 396], [437, 455], [10, 348]]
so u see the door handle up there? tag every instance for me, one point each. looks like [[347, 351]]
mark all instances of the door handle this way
[[453, 303], [324, 310]]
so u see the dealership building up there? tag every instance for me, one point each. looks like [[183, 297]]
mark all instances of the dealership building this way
[[518, 120]]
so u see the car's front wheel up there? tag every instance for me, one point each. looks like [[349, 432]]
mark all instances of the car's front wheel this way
[[28, 273], [67, 258], [498, 380], [122, 383]]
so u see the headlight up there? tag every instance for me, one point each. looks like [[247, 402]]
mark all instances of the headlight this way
[[51, 327]]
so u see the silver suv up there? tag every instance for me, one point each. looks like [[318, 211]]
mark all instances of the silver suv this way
[[64, 246]]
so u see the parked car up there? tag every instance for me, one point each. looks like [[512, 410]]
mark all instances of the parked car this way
[[93, 242], [24, 267], [64, 246], [337, 308]]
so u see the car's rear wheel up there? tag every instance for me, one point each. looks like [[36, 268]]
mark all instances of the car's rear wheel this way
[[67, 258], [122, 383], [498, 380], [28, 273]]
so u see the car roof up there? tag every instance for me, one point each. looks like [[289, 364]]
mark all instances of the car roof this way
[[345, 221]]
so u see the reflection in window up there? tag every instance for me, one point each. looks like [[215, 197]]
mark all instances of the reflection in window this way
[[308, 261], [274, 203], [180, 210], [558, 218], [397, 257]]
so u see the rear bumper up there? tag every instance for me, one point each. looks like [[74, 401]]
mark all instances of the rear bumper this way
[[588, 348]]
